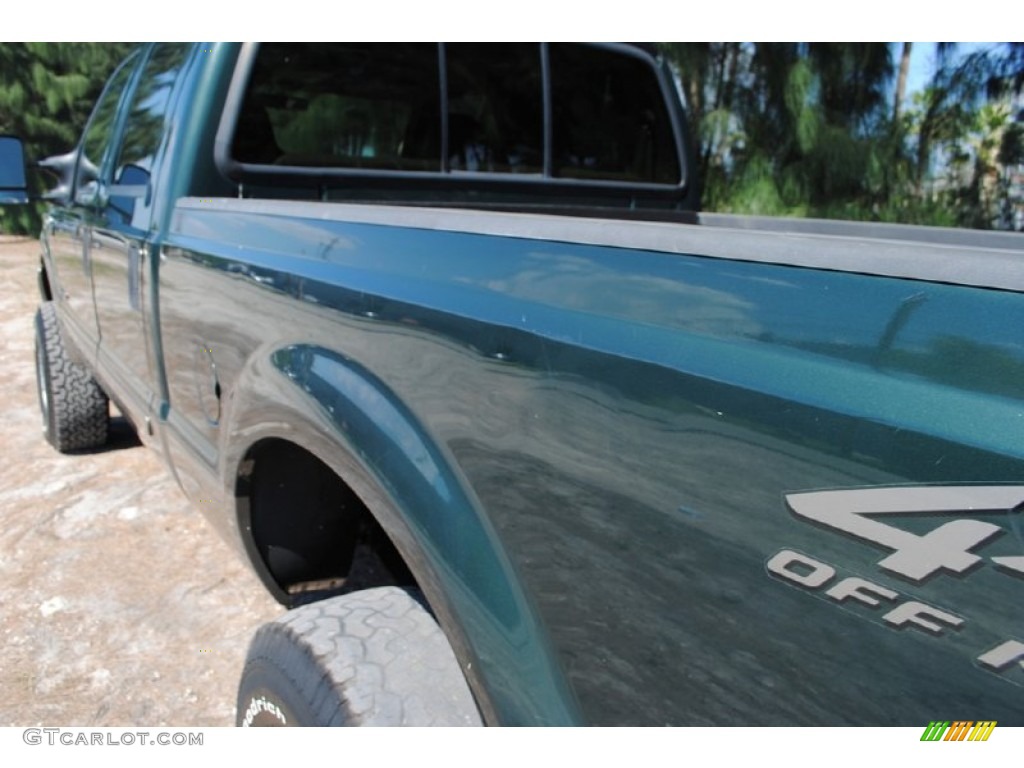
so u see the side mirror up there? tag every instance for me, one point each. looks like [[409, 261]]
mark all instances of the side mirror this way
[[89, 190], [63, 169], [13, 187]]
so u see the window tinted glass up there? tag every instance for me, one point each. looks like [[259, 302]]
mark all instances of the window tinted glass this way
[[145, 126], [99, 134], [360, 105], [495, 107], [609, 119], [149, 108]]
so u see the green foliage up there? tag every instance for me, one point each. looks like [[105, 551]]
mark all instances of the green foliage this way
[[47, 91], [755, 191], [811, 130], [801, 106], [1011, 150]]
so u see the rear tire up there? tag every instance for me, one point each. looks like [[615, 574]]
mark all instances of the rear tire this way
[[75, 409], [375, 657]]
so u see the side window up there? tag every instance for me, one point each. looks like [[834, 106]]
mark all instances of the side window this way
[[97, 141], [495, 107], [609, 118], [357, 105], [145, 127]]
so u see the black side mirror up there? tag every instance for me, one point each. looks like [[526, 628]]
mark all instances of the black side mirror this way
[[13, 187]]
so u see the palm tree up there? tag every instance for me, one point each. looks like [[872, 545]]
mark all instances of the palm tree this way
[[901, 83]]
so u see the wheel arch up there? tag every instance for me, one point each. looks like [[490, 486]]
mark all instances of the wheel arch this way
[[330, 407]]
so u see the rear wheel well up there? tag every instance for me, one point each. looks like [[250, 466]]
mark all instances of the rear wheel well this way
[[314, 535]]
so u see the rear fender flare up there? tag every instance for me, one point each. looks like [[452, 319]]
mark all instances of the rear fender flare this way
[[341, 413]]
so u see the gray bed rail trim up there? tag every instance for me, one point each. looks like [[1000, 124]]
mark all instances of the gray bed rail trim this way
[[981, 259], [971, 238]]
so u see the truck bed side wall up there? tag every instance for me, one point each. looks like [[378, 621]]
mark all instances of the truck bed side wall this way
[[607, 436]]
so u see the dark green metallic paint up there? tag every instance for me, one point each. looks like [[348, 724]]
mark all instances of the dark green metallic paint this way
[[628, 423], [453, 535]]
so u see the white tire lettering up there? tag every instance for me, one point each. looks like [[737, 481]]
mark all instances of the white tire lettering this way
[[262, 705]]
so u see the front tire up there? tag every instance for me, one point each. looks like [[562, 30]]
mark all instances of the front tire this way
[[374, 657], [75, 409]]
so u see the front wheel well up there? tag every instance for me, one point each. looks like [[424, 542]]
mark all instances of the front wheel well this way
[[310, 530], [45, 291]]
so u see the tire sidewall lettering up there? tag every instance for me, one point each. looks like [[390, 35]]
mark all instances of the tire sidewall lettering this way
[[259, 703]]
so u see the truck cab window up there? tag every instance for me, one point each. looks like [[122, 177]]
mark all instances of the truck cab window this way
[[609, 119], [356, 105], [495, 107], [145, 127], [150, 102], [98, 139], [478, 124]]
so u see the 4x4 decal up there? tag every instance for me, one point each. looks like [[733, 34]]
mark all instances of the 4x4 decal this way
[[916, 557], [947, 548]]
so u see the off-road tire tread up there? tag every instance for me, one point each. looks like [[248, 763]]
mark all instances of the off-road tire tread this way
[[373, 657], [79, 411]]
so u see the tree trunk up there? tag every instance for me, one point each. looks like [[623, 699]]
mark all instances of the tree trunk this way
[[901, 82]]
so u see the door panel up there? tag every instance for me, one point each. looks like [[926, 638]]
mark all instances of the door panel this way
[[69, 228], [67, 241], [123, 240]]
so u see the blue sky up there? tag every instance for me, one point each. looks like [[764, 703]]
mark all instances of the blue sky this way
[[922, 61]]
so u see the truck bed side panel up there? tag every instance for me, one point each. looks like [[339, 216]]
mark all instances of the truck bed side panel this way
[[636, 425]]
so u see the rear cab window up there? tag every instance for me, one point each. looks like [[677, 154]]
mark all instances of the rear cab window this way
[[349, 106], [495, 108], [610, 120], [454, 122]]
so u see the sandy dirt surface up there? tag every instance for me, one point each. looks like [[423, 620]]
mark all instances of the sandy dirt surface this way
[[119, 604]]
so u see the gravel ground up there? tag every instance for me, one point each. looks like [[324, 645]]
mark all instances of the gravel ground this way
[[119, 605]]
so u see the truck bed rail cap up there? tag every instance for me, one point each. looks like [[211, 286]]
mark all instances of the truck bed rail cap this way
[[931, 261]]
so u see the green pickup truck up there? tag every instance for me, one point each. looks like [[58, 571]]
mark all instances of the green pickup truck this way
[[439, 338]]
